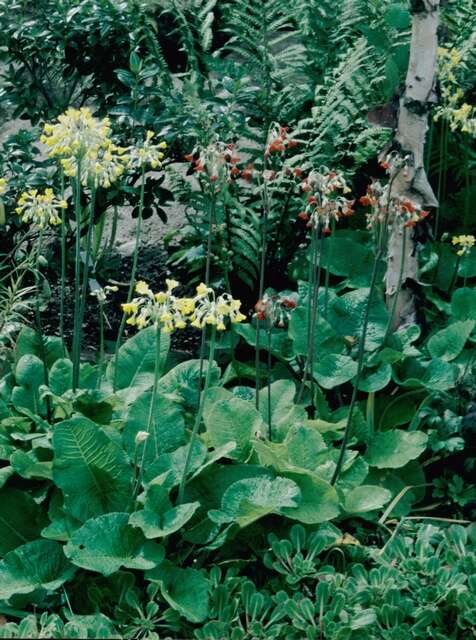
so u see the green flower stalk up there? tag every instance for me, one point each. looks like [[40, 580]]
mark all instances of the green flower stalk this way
[[43, 210], [102, 296], [326, 205], [139, 157]]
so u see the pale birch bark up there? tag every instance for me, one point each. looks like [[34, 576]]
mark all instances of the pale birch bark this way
[[409, 140]]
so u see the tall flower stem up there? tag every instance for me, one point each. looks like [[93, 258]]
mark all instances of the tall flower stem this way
[[112, 237], [312, 313], [84, 291], [132, 280], [360, 367], [153, 401], [198, 419], [327, 277], [264, 242], [208, 263], [454, 277], [101, 343], [77, 268], [268, 379], [399, 285], [63, 269], [39, 326]]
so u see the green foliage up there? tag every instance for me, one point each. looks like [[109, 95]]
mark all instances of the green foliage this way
[[95, 538]]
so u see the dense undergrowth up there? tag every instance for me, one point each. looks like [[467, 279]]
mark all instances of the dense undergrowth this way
[[302, 464]]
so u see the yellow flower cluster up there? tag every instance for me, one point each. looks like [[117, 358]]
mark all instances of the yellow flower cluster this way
[[81, 140], [161, 308], [460, 115], [166, 310], [40, 208], [147, 153], [211, 309], [465, 244], [3, 186]]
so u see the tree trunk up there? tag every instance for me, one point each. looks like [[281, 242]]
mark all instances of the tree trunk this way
[[412, 183]]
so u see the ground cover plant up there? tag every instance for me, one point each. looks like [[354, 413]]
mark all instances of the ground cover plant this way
[[261, 422]]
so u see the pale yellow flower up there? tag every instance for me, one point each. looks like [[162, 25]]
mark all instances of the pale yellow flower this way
[[465, 243], [39, 208], [147, 153]]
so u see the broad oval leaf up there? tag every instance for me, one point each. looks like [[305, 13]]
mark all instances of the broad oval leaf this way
[[186, 590], [158, 525], [284, 413], [394, 448], [463, 304], [136, 361], [166, 431], [366, 498], [183, 381], [346, 316], [21, 519], [90, 469], [228, 418], [334, 369], [375, 378], [448, 343], [107, 543], [319, 500], [40, 564], [29, 375], [250, 499]]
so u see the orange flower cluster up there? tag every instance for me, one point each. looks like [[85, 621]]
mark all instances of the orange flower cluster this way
[[276, 308], [216, 161], [279, 141], [324, 203], [403, 209]]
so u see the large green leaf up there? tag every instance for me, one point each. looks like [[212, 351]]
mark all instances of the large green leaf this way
[[345, 256], [228, 418], [159, 518], [375, 378], [434, 375], [61, 376], [29, 375], [334, 369], [186, 590], [136, 361], [319, 501], [29, 343], [40, 564], [326, 339], [304, 447], [250, 499], [284, 413], [394, 448], [21, 519], [366, 498], [107, 543], [90, 469], [183, 379], [463, 304], [448, 343], [346, 316], [281, 345], [173, 463], [167, 427]]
